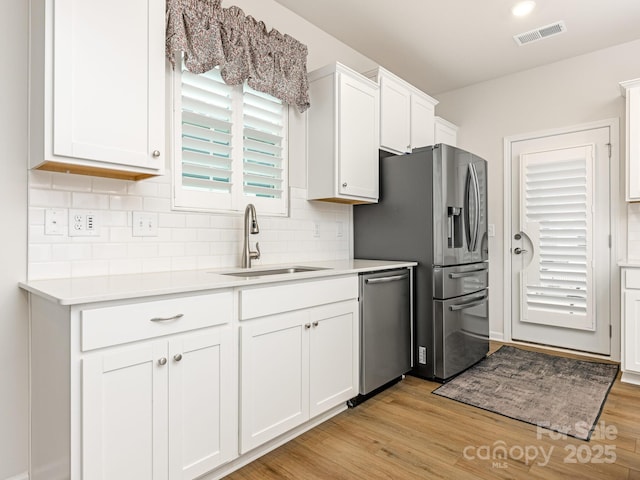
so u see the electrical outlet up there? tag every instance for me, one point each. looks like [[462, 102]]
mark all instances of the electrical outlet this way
[[83, 223], [55, 221], [316, 229], [491, 230], [339, 229], [145, 224]]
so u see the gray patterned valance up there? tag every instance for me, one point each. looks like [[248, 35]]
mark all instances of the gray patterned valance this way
[[210, 35]]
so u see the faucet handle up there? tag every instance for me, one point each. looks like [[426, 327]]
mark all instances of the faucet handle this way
[[256, 254]]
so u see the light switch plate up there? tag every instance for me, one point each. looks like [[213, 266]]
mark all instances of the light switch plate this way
[[55, 221], [145, 224]]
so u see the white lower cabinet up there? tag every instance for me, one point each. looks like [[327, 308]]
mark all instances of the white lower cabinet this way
[[295, 366], [162, 402], [179, 386], [630, 354]]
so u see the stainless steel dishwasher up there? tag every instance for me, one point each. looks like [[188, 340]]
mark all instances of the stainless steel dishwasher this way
[[386, 312]]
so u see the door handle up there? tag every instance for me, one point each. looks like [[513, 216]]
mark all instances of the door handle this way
[[392, 278], [519, 250]]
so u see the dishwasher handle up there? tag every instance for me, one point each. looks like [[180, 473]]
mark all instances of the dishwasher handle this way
[[392, 278]]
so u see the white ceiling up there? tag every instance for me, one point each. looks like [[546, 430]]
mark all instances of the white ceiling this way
[[441, 45]]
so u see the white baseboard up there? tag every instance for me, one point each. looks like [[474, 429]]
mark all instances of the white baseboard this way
[[497, 336], [22, 476]]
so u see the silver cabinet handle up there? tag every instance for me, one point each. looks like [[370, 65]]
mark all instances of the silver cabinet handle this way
[[316, 323], [307, 325], [392, 278], [162, 361], [519, 250], [344, 184], [177, 357], [469, 273], [167, 319], [156, 153]]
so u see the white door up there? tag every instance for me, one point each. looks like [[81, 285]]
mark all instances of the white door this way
[[124, 412], [109, 89], [333, 352], [202, 403], [395, 116], [422, 122], [274, 375], [358, 138], [560, 262]]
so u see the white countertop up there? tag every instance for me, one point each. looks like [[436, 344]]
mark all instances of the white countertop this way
[[80, 290]]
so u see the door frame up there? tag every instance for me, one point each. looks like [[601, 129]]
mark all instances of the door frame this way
[[615, 204]]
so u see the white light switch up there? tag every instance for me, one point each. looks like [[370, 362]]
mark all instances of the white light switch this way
[[145, 224]]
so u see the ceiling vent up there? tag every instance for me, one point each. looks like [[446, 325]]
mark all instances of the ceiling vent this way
[[540, 33]]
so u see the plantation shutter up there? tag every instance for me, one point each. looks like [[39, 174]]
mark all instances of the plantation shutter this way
[[557, 214], [231, 146], [263, 135]]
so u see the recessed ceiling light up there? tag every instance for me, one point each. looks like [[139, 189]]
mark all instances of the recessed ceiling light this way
[[523, 8]]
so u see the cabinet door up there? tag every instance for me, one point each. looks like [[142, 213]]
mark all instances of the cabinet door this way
[[274, 377], [395, 116], [445, 132], [633, 144], [124, 412], [422, 117], [108, 77], [333, 364], [202, 403], [631, 332], [358, 138]]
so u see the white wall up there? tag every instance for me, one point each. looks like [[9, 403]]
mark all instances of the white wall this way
[[578, 90], [13, 254]]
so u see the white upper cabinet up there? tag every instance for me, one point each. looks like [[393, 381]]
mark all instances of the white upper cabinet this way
[[445, 132], [406, 114], [97, 87], [631, 90], [342, 139]]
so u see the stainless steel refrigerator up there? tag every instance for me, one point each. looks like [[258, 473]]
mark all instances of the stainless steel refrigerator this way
[[433, 210]]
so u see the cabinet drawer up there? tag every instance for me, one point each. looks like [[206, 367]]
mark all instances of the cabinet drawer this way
[[102, 327], [262, 301], [632, 278]]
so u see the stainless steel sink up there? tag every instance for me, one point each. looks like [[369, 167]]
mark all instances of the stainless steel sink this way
[[274, 271]]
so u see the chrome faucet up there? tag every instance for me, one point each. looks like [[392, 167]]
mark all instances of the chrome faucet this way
[[250, 227]]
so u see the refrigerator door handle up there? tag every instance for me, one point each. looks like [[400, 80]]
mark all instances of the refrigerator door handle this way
[[470, 273], [476, 190], [462, 306], [472, 184]]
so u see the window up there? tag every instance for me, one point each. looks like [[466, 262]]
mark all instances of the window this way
[[230, 146]]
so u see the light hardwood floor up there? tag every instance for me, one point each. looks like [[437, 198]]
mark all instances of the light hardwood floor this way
[[406, 432]]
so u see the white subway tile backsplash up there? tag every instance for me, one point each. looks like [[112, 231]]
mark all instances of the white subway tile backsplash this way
[[49, 198], [65, 181], [185, 240], [121, 202]]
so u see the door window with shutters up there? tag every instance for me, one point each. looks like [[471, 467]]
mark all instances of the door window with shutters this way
[[230, 146], [557, 215]]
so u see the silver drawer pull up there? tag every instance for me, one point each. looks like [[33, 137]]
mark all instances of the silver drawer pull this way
[[392, 278], [162, 361], [167, 319], [462, 306], [469, 273]]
